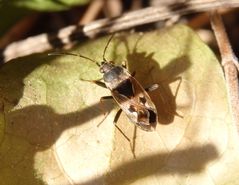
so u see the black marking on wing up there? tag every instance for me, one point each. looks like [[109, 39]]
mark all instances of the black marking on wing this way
[[126, 88], [132, 108], [142, 100], [142, 116], [152, 116]]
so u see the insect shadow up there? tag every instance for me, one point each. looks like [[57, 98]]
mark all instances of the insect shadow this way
[[148, 71], [36, 124]]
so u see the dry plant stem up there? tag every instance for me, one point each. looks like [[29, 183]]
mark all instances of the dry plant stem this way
[[136, 5], [113, 8], [165, 2], [93, 10], [229, 63], [41, 42]]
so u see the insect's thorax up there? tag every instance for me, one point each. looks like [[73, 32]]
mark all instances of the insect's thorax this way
[[115, 76]]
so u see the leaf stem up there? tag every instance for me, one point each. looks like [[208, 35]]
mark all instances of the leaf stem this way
[[229, 63]]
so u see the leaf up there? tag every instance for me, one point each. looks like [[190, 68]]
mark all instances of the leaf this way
[[49, 117], [46, 5], [14, 10]]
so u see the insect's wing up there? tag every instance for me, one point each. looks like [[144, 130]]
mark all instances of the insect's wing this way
[[136, 103], [143, 99], [141, 95]]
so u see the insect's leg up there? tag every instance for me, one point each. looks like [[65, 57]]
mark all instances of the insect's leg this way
[[101, 105], [115, 122], [97, 82], [134, 139], [152, 87], [103, 98], [124, 64], [106, 98]]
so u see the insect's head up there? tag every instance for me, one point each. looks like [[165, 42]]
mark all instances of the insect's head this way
[[106, 66]]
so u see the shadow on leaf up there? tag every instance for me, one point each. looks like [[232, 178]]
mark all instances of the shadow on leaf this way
[[40, 126], [178, 162], [148, 72]]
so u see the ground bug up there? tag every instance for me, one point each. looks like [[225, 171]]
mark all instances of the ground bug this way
[[128, 93]]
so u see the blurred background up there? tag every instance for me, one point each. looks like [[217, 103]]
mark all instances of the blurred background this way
[[21, 19]]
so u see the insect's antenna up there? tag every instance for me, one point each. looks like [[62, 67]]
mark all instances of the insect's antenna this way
[[107, 46], [73, 54]]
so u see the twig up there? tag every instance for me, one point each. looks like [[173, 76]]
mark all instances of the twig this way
[[45, 42], [229, 63], [93, 10], [136, 5], [113, 8]]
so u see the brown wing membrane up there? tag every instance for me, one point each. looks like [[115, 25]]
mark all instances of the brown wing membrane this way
[[141, 95], [136, 103]]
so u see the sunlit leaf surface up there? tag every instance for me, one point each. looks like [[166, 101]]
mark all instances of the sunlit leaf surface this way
[[49, 117]]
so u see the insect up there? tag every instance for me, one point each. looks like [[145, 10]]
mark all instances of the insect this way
[[127, 92]]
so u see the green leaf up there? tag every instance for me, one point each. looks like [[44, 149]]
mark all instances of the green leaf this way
[[14, 10], [47, 5], [49, 116]]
